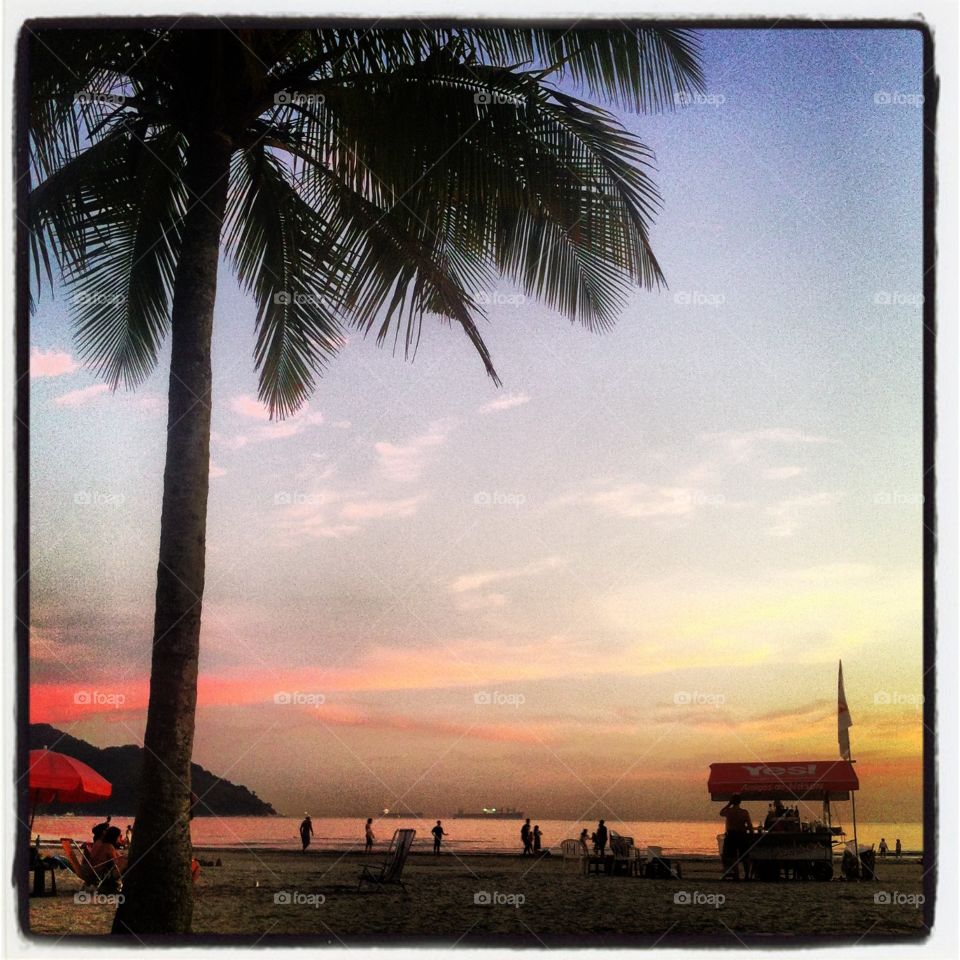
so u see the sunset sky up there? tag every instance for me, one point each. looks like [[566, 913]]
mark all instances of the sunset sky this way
[[646, 552]]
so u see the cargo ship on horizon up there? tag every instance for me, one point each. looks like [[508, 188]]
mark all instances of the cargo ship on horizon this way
[[491, 813]]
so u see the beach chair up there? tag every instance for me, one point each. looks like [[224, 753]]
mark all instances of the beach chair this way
[[625, 860], [391, 870], [80, 864], [573, 852]]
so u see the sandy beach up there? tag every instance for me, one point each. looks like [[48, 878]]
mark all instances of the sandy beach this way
[[268, 894]]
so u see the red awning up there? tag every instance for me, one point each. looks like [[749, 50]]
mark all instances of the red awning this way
[[783, 780]]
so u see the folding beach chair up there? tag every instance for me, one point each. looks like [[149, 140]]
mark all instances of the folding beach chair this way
[[391, 870], [80, 864]]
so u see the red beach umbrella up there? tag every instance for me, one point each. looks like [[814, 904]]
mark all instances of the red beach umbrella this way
[[55, 777]]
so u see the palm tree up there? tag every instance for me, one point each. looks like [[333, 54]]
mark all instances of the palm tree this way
[[353, 177]]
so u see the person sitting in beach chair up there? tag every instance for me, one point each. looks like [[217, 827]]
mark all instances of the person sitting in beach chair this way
[[102, 865], [391, 870]]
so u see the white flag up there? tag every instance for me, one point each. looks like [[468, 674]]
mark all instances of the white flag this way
[[844, 723]]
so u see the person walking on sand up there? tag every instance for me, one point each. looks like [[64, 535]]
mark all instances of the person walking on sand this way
[[536, 838], [526, 838], [438, 834], [898, 850], [736, 840], [368, 836], [883, 849], [306, 831], [601, 843]]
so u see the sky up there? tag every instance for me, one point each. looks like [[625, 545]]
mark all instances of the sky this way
[[644, 553]]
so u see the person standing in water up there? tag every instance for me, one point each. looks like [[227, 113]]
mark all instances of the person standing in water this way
[[306, 831], [898, 849], [438, 834], [883, 849], [368, 836]]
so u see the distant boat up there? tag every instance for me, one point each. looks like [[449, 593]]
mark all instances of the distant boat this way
[[400, 815], [491, 813]]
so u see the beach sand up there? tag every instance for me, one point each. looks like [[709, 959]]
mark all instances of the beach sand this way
[[538, 902]]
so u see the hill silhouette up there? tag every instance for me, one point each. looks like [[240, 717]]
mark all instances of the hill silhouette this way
[[121, 766]]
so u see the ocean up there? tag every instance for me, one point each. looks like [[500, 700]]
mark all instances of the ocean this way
[[692, 837]]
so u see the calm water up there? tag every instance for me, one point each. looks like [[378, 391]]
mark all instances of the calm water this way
[[465, 836]]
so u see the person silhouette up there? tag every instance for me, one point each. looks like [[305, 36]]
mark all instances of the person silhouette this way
[[601, 838], [584, 836], [536, 838], [525, 836], [368, 835], [100, 828], [883, 848], [898, 849], [438, 834], [306, 831]]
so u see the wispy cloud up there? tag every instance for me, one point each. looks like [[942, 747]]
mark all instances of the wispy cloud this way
[[377, 509], [51, 363], [783, 473], [506, 402], [76, 398], [250, 408], [787, 513], [484, 578], [327, 512], [404, 462]]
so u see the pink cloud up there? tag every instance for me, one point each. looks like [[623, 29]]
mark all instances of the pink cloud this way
[[404, 462], [252, 409], [51, 363], [375, 509], [76, 398], [506, 402], [248, 406]]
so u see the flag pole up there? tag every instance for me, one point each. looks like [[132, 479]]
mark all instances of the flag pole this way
[[844, 723]]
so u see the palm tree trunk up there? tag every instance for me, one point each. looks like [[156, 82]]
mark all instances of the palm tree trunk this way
[[158, 890]]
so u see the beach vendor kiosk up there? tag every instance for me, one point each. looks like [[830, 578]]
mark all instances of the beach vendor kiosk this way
[[784, 843]]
